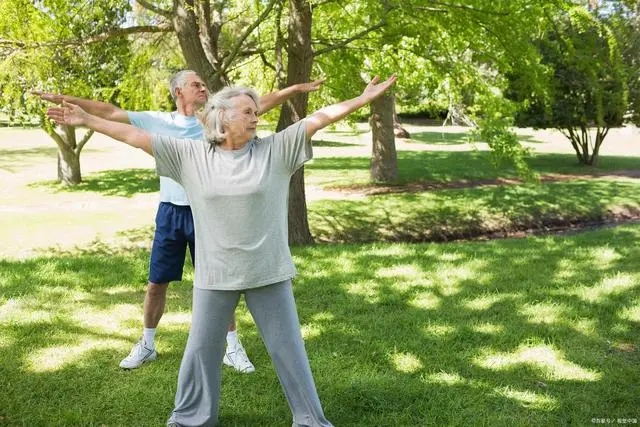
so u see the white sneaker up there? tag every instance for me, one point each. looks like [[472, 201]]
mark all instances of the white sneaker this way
[[138, 355], [237, 358]]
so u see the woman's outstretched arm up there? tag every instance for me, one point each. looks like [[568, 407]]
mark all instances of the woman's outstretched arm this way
[[272, 100], [332, 113], [73, 115]]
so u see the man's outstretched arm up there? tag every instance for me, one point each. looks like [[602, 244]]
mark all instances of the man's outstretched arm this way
[[96, 108], [273, 99], [74, 115]]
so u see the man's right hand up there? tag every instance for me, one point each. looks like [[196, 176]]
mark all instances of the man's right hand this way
[[46, 96], [68, 114]]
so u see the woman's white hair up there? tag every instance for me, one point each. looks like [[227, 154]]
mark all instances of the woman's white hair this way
[[179, 80], [216, 114]]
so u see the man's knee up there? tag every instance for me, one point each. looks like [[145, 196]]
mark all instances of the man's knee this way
[[157, 289]]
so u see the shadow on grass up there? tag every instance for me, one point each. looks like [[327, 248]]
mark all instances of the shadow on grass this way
[[448, 325], [437, 137], [530, 139], [324, 143], [396, 335], [16, 160], [122, 182], [442, 138], [470, 213]]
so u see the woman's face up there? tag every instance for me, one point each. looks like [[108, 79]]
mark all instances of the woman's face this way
[[242, 118]]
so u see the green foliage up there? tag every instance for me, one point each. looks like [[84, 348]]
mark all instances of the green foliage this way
[[35, 58], [587, 84], [145, 83], [625, 22], [495, 127]]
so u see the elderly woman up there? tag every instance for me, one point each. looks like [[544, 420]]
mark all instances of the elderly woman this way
[[238, 188]]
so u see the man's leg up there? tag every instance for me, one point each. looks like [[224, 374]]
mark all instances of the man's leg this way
[[154, 303], [166, 265], [235, 354]]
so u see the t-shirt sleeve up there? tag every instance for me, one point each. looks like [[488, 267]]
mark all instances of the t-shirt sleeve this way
[[169, 153], [143, 119], [292, 147]]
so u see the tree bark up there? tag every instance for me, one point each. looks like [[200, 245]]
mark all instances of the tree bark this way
[[383, 154], [398, 130], [188, 33], [300, 60], [69, 172], [581, 143]]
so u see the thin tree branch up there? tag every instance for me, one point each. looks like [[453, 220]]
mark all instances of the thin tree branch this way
[[12, 44], [322, 3], [463, 7], [83, 141], [350, 39], [121, 32], [155, 9], [55, 135], [279, 47], [117, 32], [234, 51], [431, 9], [266, 62]]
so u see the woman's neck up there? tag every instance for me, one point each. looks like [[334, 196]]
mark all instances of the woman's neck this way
[[233, 144]]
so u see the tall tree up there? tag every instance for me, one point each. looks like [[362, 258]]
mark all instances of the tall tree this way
[[441, 50], [299, 63], [587, 89]]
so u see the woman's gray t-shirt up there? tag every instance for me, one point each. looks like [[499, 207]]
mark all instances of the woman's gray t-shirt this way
[[239, 201]]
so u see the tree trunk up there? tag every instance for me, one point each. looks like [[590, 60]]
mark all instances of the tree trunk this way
[[68, 167], [383, 155], [581, 143], [188, 33], [300, 59], [398, 130], [68, 156]]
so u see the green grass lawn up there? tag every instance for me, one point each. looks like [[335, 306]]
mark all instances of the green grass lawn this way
[[451, 166], [537, 331], [541, 331], [472, 212]]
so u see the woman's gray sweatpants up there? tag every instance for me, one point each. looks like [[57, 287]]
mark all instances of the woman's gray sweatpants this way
[[274, 312]]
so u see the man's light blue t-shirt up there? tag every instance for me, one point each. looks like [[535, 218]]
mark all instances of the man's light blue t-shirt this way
[[175, 125]]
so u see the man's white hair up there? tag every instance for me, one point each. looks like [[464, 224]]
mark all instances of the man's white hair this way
[[179, 80]]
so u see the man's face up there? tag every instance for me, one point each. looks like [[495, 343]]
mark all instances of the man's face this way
[[193, 93]]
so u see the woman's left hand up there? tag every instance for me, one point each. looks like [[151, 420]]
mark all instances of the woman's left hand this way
[[375, 89]]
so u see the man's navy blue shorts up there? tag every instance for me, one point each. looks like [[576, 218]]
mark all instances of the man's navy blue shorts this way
[[174, 232]]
